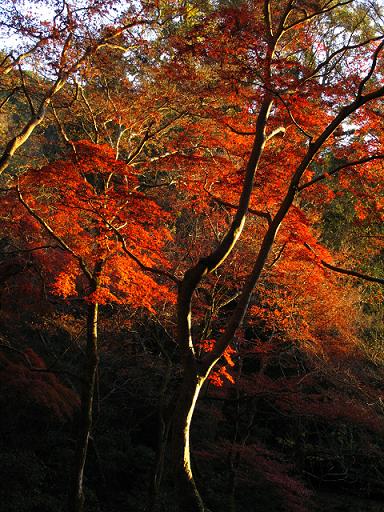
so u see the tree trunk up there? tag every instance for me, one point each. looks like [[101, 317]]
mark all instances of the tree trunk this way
[[76, 494], [188, 497], [164, 417], [154, 493]]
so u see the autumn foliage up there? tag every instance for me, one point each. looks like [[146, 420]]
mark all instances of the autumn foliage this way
[[192, 219], [91, 205]]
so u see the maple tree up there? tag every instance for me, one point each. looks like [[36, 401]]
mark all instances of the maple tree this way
[[266, 110], [104, 234], [285, 96], [60, 41]]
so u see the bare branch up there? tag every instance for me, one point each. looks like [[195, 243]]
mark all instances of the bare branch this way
[[26, 93], [278, 256], [93, 117], [371, 69], [141, 145], [278, 131], [342, 50], [339, 168], [258, 213], [15, 62], [309, 17], [54, 235], [300, 128], [347, 272], [284, 17], [63, 133], [29, 365], [239, 132], [32, 249], [268, 19], [9, 96], [148, 135]]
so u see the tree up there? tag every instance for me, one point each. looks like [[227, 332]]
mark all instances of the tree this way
[[62, 48], [97, 235], [287, 96]]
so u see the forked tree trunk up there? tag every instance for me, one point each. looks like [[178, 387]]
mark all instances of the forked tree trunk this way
[[188, 497], [76, 491]]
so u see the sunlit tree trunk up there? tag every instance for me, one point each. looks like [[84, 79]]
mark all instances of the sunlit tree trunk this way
[[188, 497], [76, 492]]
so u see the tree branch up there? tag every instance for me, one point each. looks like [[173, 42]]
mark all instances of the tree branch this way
[[29, 365], [143, 267], [308, 17], [257, 213], [32, 249], [6, 69], [54, 235], [343, 49], [371, 69], [339, 168], [305, 133], [347, 272]]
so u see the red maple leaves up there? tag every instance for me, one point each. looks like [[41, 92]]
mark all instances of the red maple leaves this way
[[89, 210]]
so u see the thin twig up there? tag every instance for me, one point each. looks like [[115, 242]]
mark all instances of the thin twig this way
[[257, 213], [144, 267]]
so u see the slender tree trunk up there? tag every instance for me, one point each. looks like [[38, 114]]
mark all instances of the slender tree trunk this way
[[188, 497], [76, 494], [154, 493], [163, 437]]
